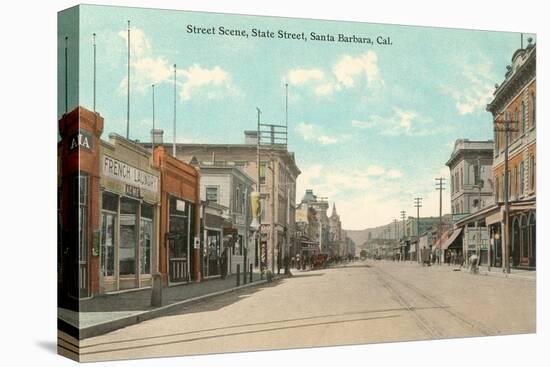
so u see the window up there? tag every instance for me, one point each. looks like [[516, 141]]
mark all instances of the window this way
[[533, 109], [476, 174], [523, 118], [521, 178], [238, 247], [461, 182], [212, 194], [82, 189], [532, 172], [452, 184], [108, 225], [497, 188], [262, 172], [497, 134], [515, 125], [145, 238], [128, 233], [514, 182]]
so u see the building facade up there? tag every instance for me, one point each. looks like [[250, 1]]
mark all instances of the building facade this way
[[471, 182], [513, 226], [230, 187], [276, 173], [129, 203]]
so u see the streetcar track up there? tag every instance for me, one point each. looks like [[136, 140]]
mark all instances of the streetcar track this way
[[430, 331], [475, 325]]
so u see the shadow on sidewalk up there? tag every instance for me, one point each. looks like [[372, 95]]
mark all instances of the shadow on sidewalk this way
[[140, 300]]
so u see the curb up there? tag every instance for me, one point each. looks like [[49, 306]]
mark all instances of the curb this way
[[108, 326]]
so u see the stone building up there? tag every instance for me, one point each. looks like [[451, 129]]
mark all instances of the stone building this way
[[471, 182]]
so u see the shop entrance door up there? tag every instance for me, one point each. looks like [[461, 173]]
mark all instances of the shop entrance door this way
[[127, 263], [178, 241], [213, 253]]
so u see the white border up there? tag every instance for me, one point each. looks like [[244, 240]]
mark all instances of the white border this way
[[28, 302]]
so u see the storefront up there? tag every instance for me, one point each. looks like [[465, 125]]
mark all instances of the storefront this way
[[129, 202], [179, 251], [78, 151], [213, 220], [523, 237]]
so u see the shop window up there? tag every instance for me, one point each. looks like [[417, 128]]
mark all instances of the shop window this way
[[128, 236], [212, 194], [82, 182], [146, 238], [524, 237], [238, 247], [108, 225]]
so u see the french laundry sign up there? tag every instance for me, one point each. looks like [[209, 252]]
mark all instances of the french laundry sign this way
[[130, 175]]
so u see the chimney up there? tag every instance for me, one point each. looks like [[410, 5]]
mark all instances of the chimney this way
[[251, 137], [156, 136]]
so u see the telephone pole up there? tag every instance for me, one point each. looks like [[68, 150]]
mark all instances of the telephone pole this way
[[504, 126], [417, 204], [404, 247], [439, 187]]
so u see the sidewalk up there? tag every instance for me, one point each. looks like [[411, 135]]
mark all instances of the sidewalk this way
[[105, 313], [483, 271]]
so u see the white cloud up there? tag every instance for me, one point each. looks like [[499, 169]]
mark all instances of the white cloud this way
[[301, 76], [347, 71], [147, 69], [394, 173], [401, 122], [364, 198], [312, 132], [375, 171], [325, 89], [362, 124], [349, 68], [198, 77], [479, 89]]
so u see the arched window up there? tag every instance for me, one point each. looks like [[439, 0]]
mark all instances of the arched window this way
[[523, 118], [524, 238], [516, 239], [532, 239], [533, 109]]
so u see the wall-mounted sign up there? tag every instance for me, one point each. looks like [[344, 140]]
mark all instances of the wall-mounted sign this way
[[82, 139], [133, 191], [130, 175], [180, 205]]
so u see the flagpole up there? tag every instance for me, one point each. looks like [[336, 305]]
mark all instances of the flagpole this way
[[153, 132], [174, 143], [128, 89], [94, 71], [66, 76]]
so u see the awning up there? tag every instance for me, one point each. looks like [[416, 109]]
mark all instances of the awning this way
[[494, 218], [451, 239]]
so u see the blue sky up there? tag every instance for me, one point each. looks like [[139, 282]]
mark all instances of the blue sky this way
[[371, 125]]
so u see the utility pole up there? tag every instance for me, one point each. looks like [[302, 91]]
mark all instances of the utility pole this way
[[418, 204], [262, 251], [404, 247], [439, 187], [504, 126]]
